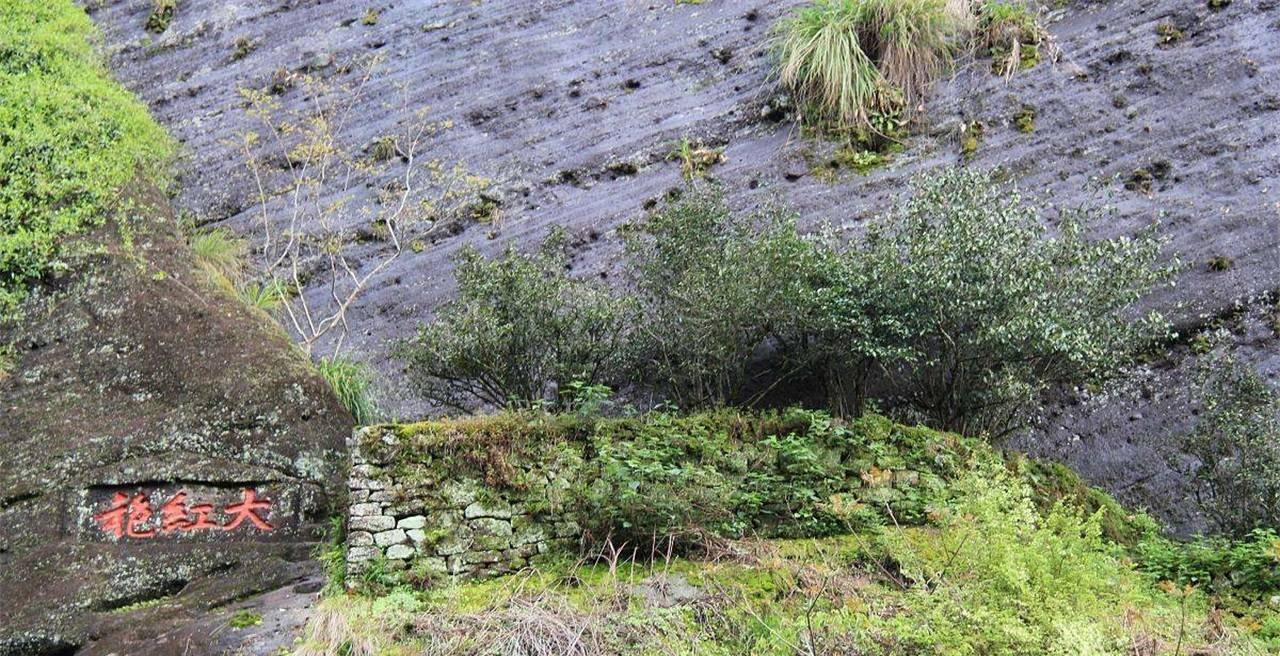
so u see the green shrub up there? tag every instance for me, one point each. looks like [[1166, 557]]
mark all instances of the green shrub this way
[[70, 138], [1236, 444], [711, 290], [851, 61], [353, 383], [519, 329], [996, 308]]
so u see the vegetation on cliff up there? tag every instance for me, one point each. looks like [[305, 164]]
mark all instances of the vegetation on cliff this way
[[70, 139], [958, 309]]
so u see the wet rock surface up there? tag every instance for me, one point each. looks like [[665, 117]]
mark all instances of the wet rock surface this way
[[142, 387], [572, 109]]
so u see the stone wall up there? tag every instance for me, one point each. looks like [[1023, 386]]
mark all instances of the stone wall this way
[[423, 511]]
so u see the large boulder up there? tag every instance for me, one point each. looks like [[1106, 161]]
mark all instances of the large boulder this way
[[164, 449]]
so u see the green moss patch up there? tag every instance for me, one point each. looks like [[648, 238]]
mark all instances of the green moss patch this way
[[70, 139]]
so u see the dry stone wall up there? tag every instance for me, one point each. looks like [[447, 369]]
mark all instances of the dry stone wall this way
[[441, 520]]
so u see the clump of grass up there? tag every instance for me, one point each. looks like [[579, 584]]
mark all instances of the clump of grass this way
[[851, 62], [219, 253], [244, 618], [243, 46], [1168, 34], [353, 383], [1011, 32], [695, 160], [1025, 119], [1221, 263], [8, 360], [161, 15], [266, 296], [370, 17]]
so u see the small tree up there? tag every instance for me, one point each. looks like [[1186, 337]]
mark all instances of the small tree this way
[[996, 307], [313, 215], [519, 330], [1237, 448]]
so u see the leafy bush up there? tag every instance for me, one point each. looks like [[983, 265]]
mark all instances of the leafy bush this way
[[353, 383], [711, 290], [961, 307], [1249, 564], [519, 329], [70, 139], [1237, 447], [996, 307], [851, 61]]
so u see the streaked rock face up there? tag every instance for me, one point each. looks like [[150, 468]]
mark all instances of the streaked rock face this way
[[161, 447], [573, 108]]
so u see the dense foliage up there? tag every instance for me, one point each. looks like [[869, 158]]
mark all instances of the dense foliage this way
[[960, 308], [986, 567], [519, 329], [70, 139], [998, 306], [1236, 445]]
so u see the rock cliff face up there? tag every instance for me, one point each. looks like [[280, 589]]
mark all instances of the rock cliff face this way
[[572, 109], [163, 448]]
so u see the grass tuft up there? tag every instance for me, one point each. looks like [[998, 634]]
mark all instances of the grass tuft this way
[[219, 253], [848, 61], [1011, 32], [353, 383]]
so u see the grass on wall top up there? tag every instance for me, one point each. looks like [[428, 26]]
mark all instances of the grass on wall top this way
[[70, 139]]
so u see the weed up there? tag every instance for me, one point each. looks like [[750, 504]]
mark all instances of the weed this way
[[267, 296], [1025, 119], [1221, 263], [161, 15], [370, 17], [1168, 34], [353, 383], [1011, 32], [219, 253], [8, 360], [243, 46], [695, 160], [244, 618]]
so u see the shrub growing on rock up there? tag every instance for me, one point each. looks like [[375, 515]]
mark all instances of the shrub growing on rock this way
[[70, 137], [712, 290], [997, 307], [1237, 446], [519, 330]]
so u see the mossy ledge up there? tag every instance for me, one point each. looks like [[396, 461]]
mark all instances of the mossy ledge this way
[[485, 495]]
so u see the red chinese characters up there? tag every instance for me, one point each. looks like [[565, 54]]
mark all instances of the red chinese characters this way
[[130, 515]]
